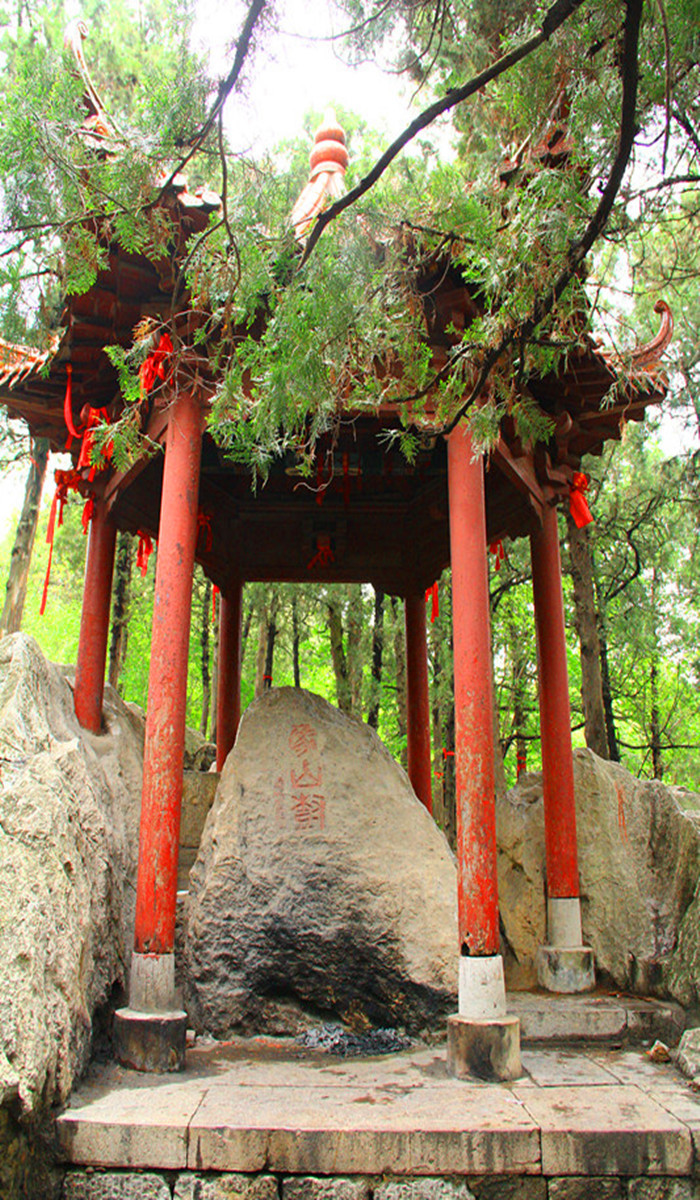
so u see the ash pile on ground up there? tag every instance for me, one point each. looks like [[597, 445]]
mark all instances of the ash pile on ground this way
[[334, 1039]]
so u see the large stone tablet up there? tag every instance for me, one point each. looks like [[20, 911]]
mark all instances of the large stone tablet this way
[[322, 887]]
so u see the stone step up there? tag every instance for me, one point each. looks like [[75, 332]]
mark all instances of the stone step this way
[[262, 1105], [595, 1017]]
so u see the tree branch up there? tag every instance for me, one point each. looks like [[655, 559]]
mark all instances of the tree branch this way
[[555, 16], [579, 248], [225, 88]]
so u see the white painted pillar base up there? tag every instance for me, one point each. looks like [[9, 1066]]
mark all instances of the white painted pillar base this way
[[152, 983], [564, 922], [565, 965], [483, 1042], [482, 989], [150, 1034]]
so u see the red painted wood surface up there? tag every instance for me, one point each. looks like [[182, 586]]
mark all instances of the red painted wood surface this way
[[228, 696], [555, 714], [477, 886], [94, 620], [161, 799], [418, 700]]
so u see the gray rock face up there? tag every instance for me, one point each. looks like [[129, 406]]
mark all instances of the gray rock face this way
[[69, 809], [322, 885], [639, 864]]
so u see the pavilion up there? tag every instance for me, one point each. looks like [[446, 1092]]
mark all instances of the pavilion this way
[[375, 518]]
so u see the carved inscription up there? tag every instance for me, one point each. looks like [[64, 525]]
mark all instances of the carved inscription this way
[[306, 799]]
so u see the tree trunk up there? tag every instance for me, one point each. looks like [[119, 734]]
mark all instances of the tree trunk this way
[[377, 649], [354, 648], [121, 595], [611, 732], [204, 658], [338, 657], [586, 622], [400, 667], [656, 759], [270, 646], [519, 667], [261, 650], [16, 588], [295, 641]]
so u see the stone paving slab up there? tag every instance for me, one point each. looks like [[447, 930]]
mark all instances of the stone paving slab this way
[[372, 1131], [261, 1104], [617, 1130], [145, 1124]]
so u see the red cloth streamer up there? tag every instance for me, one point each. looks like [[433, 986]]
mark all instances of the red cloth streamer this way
[[214, 594], [578, 505], [67, 407], [65, 480], [434, 595], [324, 555], [94, 417], [144, 552], [497, 549], [153, 367], [520, 763], [204, 526], [88, 513], [447, 753]]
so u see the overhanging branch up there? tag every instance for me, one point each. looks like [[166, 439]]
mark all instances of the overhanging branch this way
[[555, 16]]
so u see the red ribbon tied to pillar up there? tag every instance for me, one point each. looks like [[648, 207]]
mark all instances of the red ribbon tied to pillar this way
[[497, 549], [144, 552], [578, 505], [153, 367], [214, 594], [65, 481], [433, 594]]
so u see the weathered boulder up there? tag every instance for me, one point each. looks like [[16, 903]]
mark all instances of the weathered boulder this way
[[639, 863], [321, 886], [69, 808]]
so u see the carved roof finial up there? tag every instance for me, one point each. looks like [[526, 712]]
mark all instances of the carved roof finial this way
[[328, 160], [645, 360]]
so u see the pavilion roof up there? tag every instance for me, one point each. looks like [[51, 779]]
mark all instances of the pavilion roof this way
[[131, 288]]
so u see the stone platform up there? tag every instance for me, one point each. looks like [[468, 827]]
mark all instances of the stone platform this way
[[580, 1117]]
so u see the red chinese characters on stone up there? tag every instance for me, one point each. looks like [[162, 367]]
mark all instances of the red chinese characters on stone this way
[[302, 740], [308, 802]]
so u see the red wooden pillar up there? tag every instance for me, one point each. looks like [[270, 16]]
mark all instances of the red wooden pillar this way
[[150, 1034], [418, 700], [563, 964], [482, 1039], [474, 749], [555, 713], [94, 620], [228, 697], [161, 797]]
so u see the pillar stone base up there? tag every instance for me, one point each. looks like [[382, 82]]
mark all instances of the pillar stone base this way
[[147, 1041], [566, 969], [484, 1049]]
